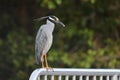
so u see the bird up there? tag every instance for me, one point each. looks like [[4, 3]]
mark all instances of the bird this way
[[44, 39]]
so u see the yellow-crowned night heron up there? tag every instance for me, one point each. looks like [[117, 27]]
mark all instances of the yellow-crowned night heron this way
[[44, 39]]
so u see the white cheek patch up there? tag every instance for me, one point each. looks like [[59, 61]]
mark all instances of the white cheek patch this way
[[54, 18], [57, 19]]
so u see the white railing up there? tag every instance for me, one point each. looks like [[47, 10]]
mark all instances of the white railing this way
[[75, 74]]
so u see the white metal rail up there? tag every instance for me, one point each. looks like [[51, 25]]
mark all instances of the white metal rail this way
[[75, 74]]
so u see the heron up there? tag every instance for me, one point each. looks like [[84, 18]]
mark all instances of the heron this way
[[44, 39]]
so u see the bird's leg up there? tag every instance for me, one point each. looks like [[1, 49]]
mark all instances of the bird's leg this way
[[42, 64], [46, 61], [47, 67], [42, 60]]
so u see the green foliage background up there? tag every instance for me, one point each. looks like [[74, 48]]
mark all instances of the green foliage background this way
[[91, 38]]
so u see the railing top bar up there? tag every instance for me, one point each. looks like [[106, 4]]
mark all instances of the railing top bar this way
[[72, 71], [80, 70]]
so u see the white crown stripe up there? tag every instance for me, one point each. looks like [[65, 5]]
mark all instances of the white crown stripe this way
[[53, 18]]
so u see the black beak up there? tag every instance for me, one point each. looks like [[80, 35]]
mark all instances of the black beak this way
[[59, 22]]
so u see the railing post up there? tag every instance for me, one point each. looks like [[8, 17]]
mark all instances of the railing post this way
[[115, 77]]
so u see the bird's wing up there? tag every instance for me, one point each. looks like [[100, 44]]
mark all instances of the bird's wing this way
[[40, 42]]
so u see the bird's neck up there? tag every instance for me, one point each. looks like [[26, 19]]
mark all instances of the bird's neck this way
[[50, 24]]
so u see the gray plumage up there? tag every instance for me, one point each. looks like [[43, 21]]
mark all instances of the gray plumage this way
[[44, 40], [44, 36]]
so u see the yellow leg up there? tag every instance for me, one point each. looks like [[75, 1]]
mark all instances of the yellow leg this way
[[42, 60], [42, 64], [46, 62]]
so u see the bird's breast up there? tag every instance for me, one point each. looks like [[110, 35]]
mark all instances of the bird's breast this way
[[48, 43]]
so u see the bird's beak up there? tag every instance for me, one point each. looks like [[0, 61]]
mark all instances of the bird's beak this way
[[59, 22], [39, 19]]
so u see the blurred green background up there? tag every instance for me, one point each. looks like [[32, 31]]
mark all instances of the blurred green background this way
[[91, 38]]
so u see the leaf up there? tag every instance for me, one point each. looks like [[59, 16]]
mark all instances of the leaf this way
[[51, 5], [92, 1], [58, 2]]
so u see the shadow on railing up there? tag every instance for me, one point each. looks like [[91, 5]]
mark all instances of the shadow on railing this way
[[75, 74]]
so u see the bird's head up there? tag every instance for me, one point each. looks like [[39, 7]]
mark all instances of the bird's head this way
[[51, 18]]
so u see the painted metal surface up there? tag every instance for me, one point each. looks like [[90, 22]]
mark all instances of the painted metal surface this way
[[114, 73]]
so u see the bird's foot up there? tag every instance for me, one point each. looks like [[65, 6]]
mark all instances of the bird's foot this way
[[49, 68]]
